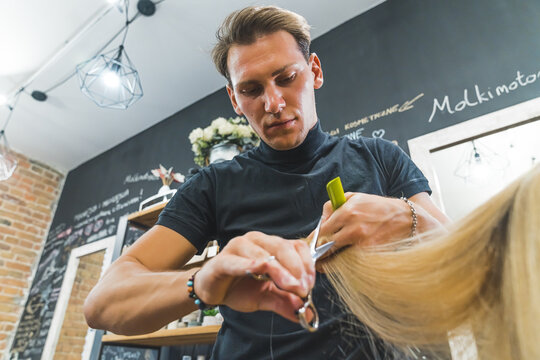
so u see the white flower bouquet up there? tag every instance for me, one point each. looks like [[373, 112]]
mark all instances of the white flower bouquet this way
[[221, 131]]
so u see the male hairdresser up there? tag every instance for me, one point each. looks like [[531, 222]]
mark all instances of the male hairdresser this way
[[259, 204]]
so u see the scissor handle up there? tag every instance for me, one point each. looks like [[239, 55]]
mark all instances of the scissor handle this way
[[314, 324]]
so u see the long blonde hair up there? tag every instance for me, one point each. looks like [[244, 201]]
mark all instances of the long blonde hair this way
[[483, 273]]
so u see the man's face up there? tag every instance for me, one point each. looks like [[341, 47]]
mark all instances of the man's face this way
[[273, 87]]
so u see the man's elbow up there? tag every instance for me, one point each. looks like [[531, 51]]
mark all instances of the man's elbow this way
[[92, 312]]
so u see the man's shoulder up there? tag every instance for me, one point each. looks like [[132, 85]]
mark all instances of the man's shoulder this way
[[366, 143], [234, 167]]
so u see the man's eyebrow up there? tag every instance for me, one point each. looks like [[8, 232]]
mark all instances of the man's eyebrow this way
[[281, 69], [243, 83], [276, 72]]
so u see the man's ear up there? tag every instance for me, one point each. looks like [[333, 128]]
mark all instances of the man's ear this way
[[316, 69], [235, 106]]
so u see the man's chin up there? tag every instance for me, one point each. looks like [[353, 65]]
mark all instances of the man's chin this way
[[282, 145]]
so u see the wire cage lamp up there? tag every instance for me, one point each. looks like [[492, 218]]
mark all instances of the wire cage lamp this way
[[110, 80], [480, 163], [8, 162]]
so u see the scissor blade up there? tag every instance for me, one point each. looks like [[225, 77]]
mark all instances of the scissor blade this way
[[321, 250], [315, 238]]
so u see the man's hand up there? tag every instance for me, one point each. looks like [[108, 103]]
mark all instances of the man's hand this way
[[224, 279], [371, 219]]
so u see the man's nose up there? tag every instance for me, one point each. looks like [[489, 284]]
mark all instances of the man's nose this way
[[273, 100]]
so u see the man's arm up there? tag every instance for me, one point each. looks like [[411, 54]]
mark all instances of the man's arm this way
[[143, 290], [371, 219]]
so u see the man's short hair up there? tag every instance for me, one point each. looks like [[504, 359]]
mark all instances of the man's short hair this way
[[244, 27]]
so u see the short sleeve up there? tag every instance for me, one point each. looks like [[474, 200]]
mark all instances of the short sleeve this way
[[404, 178], [191, 210]]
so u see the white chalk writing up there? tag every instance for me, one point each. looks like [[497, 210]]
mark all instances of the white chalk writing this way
[[133, 178], [355, 135], [407, 105], [479, 96], [115, 198]]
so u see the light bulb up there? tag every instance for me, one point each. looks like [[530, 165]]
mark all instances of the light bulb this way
[[111, 78], [480, 172]]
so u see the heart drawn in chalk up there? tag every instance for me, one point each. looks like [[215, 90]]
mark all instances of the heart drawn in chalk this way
[[378, 133]]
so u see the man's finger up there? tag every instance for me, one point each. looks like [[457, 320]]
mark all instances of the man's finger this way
[[281, 277], [282, 303]]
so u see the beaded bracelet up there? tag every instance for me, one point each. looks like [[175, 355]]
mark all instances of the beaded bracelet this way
[[413, 214], [191, 292]]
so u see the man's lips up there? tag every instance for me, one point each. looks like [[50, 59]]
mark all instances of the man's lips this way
[[280, 123]]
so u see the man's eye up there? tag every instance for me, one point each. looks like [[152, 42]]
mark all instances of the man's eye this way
[[250, 91], [288, 79]]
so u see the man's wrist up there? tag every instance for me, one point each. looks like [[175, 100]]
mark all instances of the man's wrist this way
[[193, 294], [414, 216]]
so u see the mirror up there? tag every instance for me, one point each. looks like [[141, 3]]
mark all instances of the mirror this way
[[69, 336], [469, 162], [477, 169], [447, 157]]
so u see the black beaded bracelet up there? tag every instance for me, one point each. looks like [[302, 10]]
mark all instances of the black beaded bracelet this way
[[191, 292]]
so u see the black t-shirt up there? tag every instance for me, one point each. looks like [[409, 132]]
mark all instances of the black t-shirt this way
[[282, 193]]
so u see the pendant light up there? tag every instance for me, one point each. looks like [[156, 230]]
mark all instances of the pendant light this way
[[110, 80], [8, 162], [480, 164]]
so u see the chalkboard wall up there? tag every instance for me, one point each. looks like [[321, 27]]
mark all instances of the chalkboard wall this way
[[109, 352], [401, 70]]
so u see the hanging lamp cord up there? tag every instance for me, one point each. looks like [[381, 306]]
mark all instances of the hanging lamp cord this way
[[11, 108], [123, 29]]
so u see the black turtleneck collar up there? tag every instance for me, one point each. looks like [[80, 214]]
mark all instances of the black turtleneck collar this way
[[302, 153]]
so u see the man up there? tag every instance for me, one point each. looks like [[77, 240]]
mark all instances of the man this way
[[255, 202]]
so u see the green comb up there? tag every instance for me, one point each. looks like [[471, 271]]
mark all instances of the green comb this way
[[336, 193]]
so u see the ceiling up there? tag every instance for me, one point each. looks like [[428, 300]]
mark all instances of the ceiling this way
[[41, 42]]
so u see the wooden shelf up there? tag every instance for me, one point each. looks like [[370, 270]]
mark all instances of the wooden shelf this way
[[147, 217], [168, 337]]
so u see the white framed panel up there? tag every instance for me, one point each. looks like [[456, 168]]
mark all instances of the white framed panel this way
[[106, 244], [422, 147]]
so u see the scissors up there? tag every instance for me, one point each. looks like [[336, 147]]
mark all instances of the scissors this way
[[337, 198], [316, 252]]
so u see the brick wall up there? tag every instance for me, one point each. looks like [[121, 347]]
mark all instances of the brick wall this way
[[73, 331], [27, 203]]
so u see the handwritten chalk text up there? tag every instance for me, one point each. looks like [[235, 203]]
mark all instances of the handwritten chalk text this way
[[407, 105], [479, 96]]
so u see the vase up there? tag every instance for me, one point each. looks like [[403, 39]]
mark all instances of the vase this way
[[164, 189], [222, 152]]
